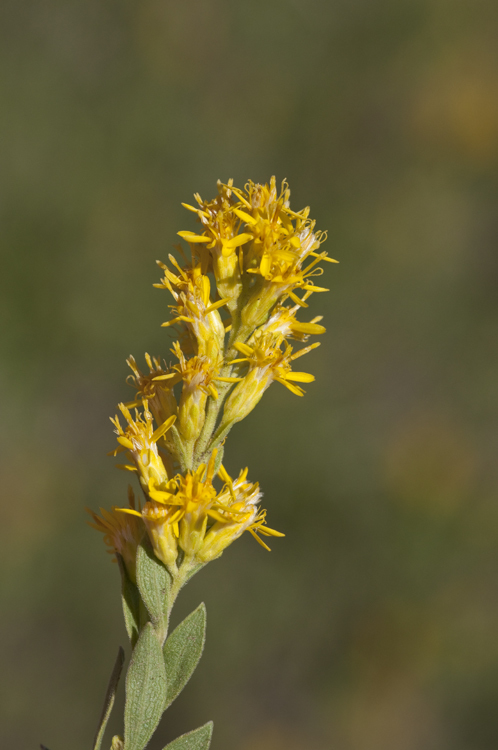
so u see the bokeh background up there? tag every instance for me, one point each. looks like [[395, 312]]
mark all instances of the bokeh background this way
[[374, 624]]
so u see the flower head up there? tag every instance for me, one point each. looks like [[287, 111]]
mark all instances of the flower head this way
[[221, 241], [269, 358], [140, 439], [122, 532], [192, 516], [236, 304], [198, 375], [283, 321], [153, 388], [191, 289]]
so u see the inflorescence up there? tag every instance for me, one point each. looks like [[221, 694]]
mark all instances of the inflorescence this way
[[250, 258]]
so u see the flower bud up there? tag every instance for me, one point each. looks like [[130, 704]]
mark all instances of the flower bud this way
[[192, 413], [245, 396], [162, 530]]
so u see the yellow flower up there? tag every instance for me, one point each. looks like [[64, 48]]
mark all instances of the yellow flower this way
[[122, 533], [197, 375], [236, 511], [221, 238], [162, 528], [191, 292], [283, 321], [261, 253], [191, 515], [267, 362], [153, 388], [140, 439], [276, 243]]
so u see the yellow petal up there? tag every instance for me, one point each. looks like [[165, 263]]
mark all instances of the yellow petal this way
[[239, 239], [308, 328], [312, 288], [292, 388], [243, 348], [218, 304], [304, 351], [259, 541], [269, 532], [295, 299], [163, 428], [300, 377], [194, 209], [128, 510], [192, 237], [245, 216], [265, 265], [125, 442], [224, 475]]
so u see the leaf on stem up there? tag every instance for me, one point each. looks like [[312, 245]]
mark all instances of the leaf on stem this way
[[109, 698], [182, 651], [199, 739], [130, 599], [145, 690], [153, 582]]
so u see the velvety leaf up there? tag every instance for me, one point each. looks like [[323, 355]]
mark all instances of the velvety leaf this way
[[145, 690], [153, 582], [183, 650], [130, 599], [199, 739], [109, 698]]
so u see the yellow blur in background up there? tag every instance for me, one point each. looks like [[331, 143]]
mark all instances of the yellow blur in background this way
[[374, 624]]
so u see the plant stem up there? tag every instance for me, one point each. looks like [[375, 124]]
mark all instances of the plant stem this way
[[179, 580]]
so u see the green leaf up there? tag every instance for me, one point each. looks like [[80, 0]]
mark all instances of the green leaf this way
[[153, 582], [130, 599], [145, 690], [199, 739], [182, 651], [109, 698]]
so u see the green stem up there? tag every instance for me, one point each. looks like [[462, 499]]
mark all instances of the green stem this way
[[202, 446], [180, 449], [185, 572], [212, 412]]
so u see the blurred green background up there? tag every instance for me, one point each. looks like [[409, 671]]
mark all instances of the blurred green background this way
[[374, 624]]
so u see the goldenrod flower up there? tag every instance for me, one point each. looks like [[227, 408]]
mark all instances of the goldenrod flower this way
[[267, 362], [191, 292], [161, 522], [193, 516], [152, 388], [140, 439], [261, 254], [222, 239], [236, 511], [281, 240], [122, 533], [283, 321], [197, 374]]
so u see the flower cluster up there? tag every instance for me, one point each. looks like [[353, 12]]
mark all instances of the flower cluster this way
[[233, 324]]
